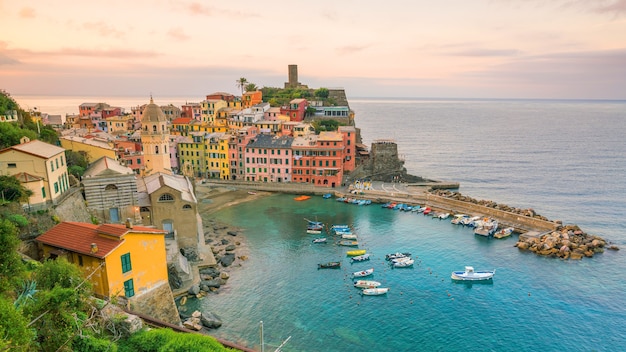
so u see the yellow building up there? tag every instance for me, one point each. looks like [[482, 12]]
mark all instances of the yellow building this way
[[119, 260], [95, 148], [210, 109], [38, 159], [191, 155], [217, 155], [120, 124]]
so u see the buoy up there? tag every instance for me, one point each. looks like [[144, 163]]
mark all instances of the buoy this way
[[183, 300]]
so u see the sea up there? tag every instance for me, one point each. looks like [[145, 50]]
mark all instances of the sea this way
[[566, 159]]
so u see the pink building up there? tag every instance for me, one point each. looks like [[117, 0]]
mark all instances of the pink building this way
[[269, 159], [237, 150], [318, 159], [192, 110]]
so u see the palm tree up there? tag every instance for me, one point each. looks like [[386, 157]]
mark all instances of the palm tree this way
[[241, 83], [251, 87]]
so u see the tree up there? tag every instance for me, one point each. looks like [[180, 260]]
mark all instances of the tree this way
[[14, 332], [322, 93], [11, 190], [11, 266], [241, 83], [251, 87]]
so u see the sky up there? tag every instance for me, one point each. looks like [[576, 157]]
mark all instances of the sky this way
[[538, 49]]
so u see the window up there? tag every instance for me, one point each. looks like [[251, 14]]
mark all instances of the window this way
[[43, 192], [186, 207], [56, 187], [80, 260], [11, 165], [126, 266], [138, 161], [52, 165], [129, 288], [166, 197], [110, 187]]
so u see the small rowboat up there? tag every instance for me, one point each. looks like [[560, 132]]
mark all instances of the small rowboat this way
[[348, 236], [301, 198], [329, 265], [377, 291], [348, 243], [363, 273], [366, 284], [355, 252], [319, 240], [360, 258]]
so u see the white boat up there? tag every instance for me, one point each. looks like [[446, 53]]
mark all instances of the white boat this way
[[504, 232], [363, 273], [348, 236], [400, 260], [391, 256], [319, 240], [486, 227], [366, 284], [458, 219], [375, 291], [360, 258], [314, 232], [470, 275], [443, 216], [404, 263]]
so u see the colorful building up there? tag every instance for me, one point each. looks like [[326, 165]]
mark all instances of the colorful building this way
[[155, 140], [38, 159], [119, 260], [296, 110], [94, 147], [318, 159], [269, 159]]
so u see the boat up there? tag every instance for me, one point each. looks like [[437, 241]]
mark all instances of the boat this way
[[486, 227], [506, 232], [400, 260], [443, 216], [313, 232], [339, 226], [362, 273], [404, 263], [251, 192], [360, 258], [348, 236], [397, 255], [366, 284], [458, 219], [470, 275], [348, 243], [327, 196], [301, 198], [426, 211], [376, 291], [342, 231], [356, 252], [329, 265], [319, 240]]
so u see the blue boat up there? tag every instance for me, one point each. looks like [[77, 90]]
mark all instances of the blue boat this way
[[327, 195]]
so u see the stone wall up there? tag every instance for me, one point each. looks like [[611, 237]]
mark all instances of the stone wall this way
[[73, 208], [157, 303]]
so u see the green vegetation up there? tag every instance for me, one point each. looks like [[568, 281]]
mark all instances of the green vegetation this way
[[281, 97], [165, 340], [326, 125], [7, 104], [77, 162], [11, 133], [251, 87], [241, 83], [11, 190], [322, 93]]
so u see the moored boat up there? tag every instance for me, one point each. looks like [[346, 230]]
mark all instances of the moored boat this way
[[319, 240], [506, 232], [327, 195], [348, 243], [396, 255], [355, 252], [470, 275], [366, 284], [363, 273], [301, 198], [348, 236], [313, 232], [486, 227], [404, 263], [360, 258], [329, 265], [377, 291]]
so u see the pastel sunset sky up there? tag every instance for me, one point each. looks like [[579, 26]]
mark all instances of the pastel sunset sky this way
[[572, 49]]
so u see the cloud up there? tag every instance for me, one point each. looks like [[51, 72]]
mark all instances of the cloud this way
[[103, 29], [480, 52], [197, 8], [178, 34], [616, 8], [27, 12], [351, 49], [7, 60]]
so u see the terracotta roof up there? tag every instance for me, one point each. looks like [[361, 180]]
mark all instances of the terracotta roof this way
[[182, 120], [78, 237], [25, 177]]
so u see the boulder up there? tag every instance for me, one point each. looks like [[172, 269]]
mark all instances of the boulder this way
[[194, 290], [225, 241], [230, 248], [192, 324], [227, 259], [232, 233], [210, 320], [224, 276], [210, 271], [212, 283], [522, 245]]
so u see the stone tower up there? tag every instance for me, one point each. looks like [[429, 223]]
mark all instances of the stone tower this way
[[293, 77], [155, 137]]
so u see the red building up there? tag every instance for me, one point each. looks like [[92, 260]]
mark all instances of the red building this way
[[349, 141], [318, 159], [296, 109]]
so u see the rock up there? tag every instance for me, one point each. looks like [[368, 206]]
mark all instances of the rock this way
[[174, 279], [522, 245], [191, 324], [191, 253], [216, 283], [232, 233], [196, 314], [225, 241], [614, 247], [576, 255], [224, 276], [227, 259], [243, 257], [210, 271], [210, 320], [230, 248], [194, 290]]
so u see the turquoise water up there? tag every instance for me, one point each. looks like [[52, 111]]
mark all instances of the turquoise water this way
[[533, 302]]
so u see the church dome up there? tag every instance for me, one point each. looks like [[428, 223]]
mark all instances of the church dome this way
[[153, 113]]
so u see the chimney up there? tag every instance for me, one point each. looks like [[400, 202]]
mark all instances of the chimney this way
[[129, 224], [94, 248]]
